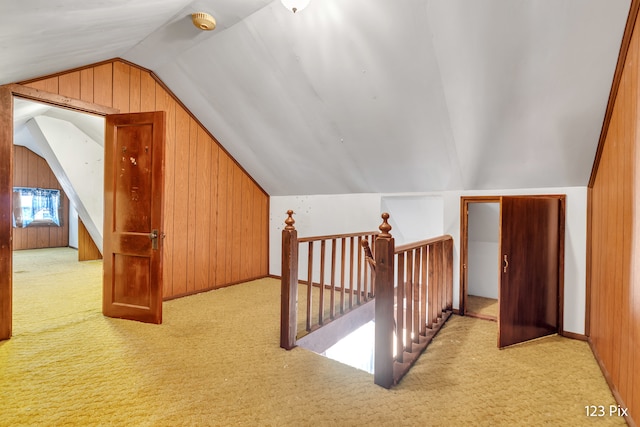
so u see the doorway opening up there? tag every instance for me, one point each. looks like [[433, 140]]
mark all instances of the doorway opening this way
[[9, 94], [512, 264], [483, 254], [62, 151]]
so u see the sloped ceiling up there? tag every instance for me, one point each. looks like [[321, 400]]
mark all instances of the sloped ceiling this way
[[356, 96]]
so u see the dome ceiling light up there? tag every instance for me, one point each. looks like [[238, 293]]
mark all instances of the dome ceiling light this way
[[204, 21], [295, 5]]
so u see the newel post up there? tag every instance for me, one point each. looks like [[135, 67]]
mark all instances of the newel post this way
[[384, 328], [289, 284]]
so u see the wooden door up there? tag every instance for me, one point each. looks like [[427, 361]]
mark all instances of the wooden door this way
[[529, 271], [133, 190]]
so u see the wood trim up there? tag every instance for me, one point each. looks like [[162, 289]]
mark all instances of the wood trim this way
[[617, 77], [59, 100], [561, 256], [587, 308], [574, 336], [464, 244], [6, 207]]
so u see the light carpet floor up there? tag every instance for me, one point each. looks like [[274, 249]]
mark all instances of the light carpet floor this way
[[481, 305], [216, 362]]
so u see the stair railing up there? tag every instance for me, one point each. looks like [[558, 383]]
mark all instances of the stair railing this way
[[335, 276], [414, 295]]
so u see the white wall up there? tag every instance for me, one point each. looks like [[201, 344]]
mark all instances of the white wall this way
[[420, 216], [483, 249], [333, 214], [73, 226]]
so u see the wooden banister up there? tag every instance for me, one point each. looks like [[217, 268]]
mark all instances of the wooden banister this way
[[289, 284], [384, 327], [336, 280], [418, 293], [412, 288]]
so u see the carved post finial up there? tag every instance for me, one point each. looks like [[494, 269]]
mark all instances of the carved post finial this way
[[385, 227], [289, 221]]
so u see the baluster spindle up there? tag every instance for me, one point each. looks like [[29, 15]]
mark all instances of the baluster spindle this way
[[323, 248], [309, 286], [423, 289], [408, 297], [416, 295]]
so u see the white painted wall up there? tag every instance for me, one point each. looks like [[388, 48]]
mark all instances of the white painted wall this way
[[483, 261], [412, 216], [333, 214], [73, 226]]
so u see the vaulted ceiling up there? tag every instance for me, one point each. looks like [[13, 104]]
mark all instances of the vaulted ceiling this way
[[356, 96]]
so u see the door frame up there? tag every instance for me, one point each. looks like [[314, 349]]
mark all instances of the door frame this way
[[464, 247], [7, 93]]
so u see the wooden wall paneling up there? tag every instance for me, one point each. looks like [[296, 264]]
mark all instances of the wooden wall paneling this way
[[147, 92], [265, 234], [103, 84], [614, 216], [86, 84], [237, 220], [69, 84], [48, 85], [42, 235], [228, 228], [263, 224], [164, 102], [222, 248], [180, 198], [203, 211], [254, 234], [626, 172], [634, 267], [121, 91], [236, 227], [134, 90], [190, 169], [632, 369], [31, 170], [246, 243], [87, 249], [17, 172], [213, 218]]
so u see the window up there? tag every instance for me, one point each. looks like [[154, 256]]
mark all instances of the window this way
[[35, 206]]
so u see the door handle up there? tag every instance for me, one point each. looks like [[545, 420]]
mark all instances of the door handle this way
[[505, 265], [154, 239]]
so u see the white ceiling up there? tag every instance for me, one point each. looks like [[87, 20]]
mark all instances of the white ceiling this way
[[351, 96]]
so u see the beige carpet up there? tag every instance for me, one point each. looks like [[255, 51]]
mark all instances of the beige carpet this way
[[487, 307], [216, 361]]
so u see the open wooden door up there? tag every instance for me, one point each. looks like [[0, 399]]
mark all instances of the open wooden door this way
[[133, 191], [529, 274]]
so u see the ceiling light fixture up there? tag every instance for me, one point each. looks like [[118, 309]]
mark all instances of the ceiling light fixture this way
[[204, 21], [295, 5]]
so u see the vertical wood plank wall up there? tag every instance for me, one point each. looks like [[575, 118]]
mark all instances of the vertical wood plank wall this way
[[31, 170], [87, 249], [215, 215], [615, 243]]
